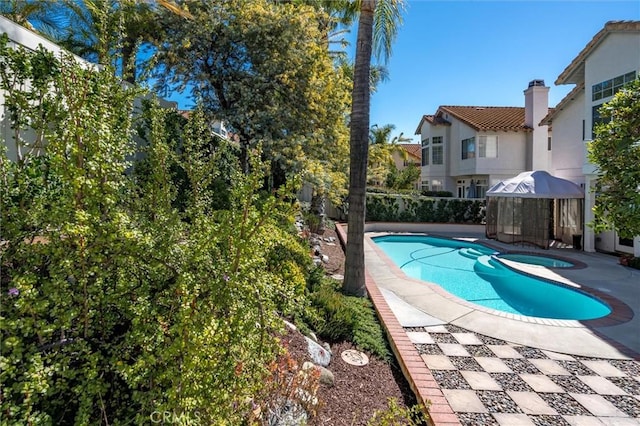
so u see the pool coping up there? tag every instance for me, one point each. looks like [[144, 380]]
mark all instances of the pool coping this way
[[416, 372], [620, 311]]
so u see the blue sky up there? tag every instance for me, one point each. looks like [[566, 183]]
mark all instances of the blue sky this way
[[484, 53], [481, 53]]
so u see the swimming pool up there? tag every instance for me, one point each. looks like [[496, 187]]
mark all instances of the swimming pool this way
[[473, 273]]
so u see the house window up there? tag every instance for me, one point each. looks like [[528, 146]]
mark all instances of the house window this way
[[425, 185], [437, 153], [425, 152], [595, 119], [436, 185], [468, 148], [611, 87], [488, 146], [549, 143], [425, 156], [625, 242]]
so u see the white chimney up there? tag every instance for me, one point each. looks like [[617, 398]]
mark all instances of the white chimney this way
[[536, 107]]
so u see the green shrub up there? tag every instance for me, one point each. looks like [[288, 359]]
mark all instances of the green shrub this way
[[335, 317], [118, 303], [387, 208]]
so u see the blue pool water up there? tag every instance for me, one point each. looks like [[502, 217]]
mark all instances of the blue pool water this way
[[471, 272]]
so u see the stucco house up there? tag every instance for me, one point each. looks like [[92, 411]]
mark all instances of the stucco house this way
[[608, 61], [468, 149], [406, 154]]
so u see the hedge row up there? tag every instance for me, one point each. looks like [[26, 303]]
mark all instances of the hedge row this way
[[401, 208]]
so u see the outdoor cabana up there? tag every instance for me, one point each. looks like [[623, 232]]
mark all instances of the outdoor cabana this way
[[535, 208]]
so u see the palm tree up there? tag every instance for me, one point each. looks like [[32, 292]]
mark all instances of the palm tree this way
[[38, 16], [111, 31], [377, 26]]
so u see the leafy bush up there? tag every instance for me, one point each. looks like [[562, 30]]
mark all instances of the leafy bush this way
[[118, 303], [401, 208], [394, 415], [335, 316]]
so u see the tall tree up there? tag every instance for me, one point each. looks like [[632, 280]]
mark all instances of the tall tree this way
[[377, 26], [616, 152], [263, 68]]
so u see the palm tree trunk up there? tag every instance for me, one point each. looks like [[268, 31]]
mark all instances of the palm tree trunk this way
[[354, 280]]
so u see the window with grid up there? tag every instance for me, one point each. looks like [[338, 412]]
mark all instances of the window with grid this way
[[425, 152], [437, 151], [611, 87], [488, 146]]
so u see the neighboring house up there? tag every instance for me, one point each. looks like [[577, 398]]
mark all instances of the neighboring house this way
[[467, 149], [607, 62], [20, 36], [218, 127], [408, 153]]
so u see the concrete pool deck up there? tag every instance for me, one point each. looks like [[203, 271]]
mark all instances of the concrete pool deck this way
[[466, 363], [615, 336]]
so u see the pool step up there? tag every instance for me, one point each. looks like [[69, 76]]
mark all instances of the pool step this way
[[486, 263], [470, 252]]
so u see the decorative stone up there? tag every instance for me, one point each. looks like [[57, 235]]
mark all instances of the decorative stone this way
[[354, 357], [318, 354], [327, 347], [326, 376], [313, 336], [290, 325], [325, 258], [288, 414], [338, 277]]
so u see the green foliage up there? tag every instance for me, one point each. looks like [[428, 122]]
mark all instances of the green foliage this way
[[263, 68], [403, 179], [118, 301], [335, 316], [400, 208], [395, 415], [616, 152]]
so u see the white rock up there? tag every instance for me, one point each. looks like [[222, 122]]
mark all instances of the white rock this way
[[318, 354]]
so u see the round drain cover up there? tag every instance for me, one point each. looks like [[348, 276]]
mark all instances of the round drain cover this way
[[353, 357]]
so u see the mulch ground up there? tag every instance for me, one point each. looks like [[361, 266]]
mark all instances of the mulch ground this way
[[358, 391]]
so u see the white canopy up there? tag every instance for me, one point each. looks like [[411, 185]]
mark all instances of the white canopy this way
[[536, 184]]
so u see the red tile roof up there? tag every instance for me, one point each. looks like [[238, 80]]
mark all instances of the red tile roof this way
[[488, 117], [413, 149], [574, 72], [433, 120]]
